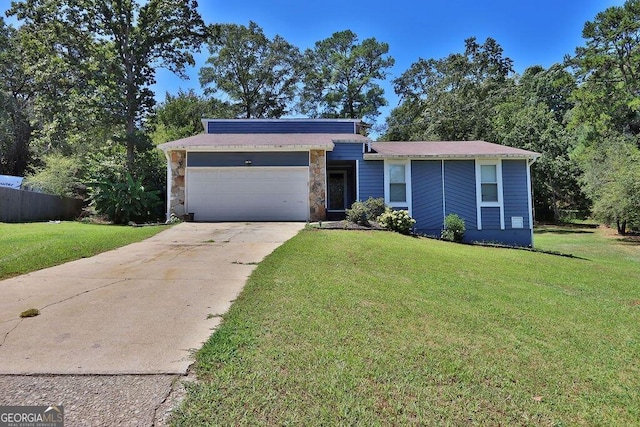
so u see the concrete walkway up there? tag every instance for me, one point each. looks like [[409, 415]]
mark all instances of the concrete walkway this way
[[140, 309]]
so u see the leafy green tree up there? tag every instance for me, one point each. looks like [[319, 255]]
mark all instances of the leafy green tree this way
[[257, 74], [59, 175], [341, 77], [612, 179], [608, 67], [606, 116], [180, 116], [15, 105], [117, 46], [451, 98], [532, 118]]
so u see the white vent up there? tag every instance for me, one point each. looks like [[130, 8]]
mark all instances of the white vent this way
[[517, 222]]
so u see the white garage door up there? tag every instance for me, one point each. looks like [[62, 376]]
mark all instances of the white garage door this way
[[248, 193]]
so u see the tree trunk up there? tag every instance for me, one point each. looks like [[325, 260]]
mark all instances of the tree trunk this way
[[622, 227]]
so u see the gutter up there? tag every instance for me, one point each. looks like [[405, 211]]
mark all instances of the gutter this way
[[380, 156]]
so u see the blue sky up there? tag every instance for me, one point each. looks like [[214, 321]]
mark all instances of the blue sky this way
[[531, 32]]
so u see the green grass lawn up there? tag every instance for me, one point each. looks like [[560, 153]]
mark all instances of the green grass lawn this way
[[32, 246], [376, 328]]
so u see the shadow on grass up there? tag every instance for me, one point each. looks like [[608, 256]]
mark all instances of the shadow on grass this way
[[561, 231], [629, 240]]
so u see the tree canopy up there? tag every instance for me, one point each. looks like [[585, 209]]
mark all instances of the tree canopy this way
[[257, 74], [450, 98], [341, 77], [116, 46], [77, 105]]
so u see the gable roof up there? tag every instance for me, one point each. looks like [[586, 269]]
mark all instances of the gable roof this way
[[446, 149], [261, 141]]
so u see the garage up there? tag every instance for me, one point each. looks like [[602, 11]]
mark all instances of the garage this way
[[248, 193]]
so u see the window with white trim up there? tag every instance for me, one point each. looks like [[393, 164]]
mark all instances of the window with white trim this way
[[397, 187], [489, 188], [489, 183], [397, 183]]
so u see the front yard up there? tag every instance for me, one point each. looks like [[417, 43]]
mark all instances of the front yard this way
[[375, 328], [32, 246]]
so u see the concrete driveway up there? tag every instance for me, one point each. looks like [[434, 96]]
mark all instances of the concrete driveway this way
[[140, 309]]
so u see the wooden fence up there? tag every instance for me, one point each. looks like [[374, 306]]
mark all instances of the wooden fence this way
[[26, 206]]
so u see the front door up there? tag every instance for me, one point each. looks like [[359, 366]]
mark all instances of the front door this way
[[337, 189]]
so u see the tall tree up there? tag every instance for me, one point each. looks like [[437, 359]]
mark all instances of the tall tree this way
[[608, 69], [15, 105], [606, 117], [451, 98], [342, 77], [257, 74], [532, 118], [122, 43]]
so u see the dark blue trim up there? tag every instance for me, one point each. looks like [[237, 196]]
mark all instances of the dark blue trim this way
[[284, 126], [284, 158]]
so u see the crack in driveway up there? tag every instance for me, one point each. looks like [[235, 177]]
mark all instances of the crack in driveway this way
[[20, 320]]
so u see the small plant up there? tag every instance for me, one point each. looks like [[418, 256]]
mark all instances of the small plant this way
[[32, 312], [358, 214], [174, 219], [399, 221], [454, 228]]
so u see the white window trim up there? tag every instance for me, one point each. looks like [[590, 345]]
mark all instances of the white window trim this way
[[479, 203], [357, 180], [407, 179]]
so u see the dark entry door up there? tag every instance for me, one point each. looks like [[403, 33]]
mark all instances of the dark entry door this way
[[337, 189]]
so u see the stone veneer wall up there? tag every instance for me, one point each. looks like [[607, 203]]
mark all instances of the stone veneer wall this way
[[178, 163], [317, 185]]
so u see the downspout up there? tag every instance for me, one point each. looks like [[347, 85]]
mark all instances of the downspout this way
[[168, 213], [444, 206], [530, 162]]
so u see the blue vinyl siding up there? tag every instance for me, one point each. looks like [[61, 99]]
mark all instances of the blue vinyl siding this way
[[426, 194], [515, 191], [284, 126], [490, 218], [285, 158], [460, 190], [371, 179], [345, 151]]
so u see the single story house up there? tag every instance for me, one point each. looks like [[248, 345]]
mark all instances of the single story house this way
[[314, 169]]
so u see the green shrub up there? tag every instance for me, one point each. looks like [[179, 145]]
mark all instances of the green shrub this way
[[358, 214], [59, 175], [454, 228], [364, 212], [374, 207], [399, 221], [124, 201]]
